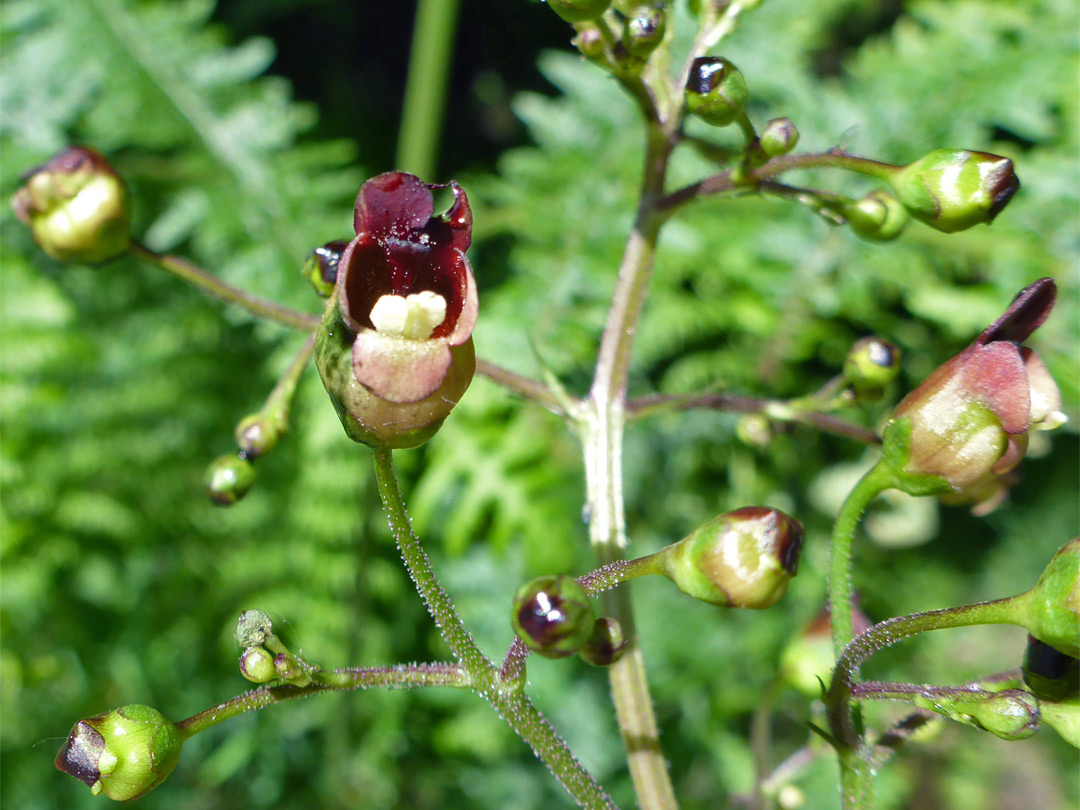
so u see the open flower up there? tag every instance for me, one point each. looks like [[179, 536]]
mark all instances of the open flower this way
[[968, 422], [395, 345]]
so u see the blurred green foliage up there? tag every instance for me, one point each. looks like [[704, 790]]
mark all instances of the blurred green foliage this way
[[120, 583]]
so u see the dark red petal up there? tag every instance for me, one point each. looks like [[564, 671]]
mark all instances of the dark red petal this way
[[365, 273], [392, 205], [459, 218], [995, 373], [1024, 315]]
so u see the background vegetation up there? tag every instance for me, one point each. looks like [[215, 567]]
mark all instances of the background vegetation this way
[[244, 131]]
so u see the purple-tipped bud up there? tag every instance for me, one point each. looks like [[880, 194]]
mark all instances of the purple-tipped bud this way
[[321, 266], [257, 665], [778, 137], [228, 479], [715, 90], [871, 364], [743, 558], [644, 30], [607, 644], [122, 754], [257, 434], [553, 616]]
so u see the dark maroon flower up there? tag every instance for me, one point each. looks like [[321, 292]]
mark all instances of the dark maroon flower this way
[[405, 305]]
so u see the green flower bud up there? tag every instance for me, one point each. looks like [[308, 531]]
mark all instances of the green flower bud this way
[[607, 644], [257, 434], [877, 217], [952, 190], [575, 11], [76, 207], [289, 670], [123, 754], [1052, 608], [644, 30], [589, 41], [1011, 714], [778, 137], [553, 616], [253, 628], [744, 558], [871, 364], [755, 430], [1049, 674], [321, 265], [228, 479], [715, 90], [257, 665]]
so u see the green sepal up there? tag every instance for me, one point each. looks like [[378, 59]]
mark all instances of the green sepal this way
[[895, 455]]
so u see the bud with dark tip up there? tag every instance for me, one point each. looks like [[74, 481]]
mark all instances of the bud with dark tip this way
[[76, 207], [589, 41], [321, 266], [553, 616], [607, 644], [575, 11], [778, 137], [644, 30], [743, 558], [122, 754], [257, 434], [228, 479], [715, 90], [1050, 674], [954, 189], [877, 216], [871, 364], [257, 665]]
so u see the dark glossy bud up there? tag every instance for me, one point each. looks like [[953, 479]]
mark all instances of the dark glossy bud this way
[[778, 137], [607, 644], [644, 30], [871, 364], [1051, 610], [321, 266], [574, 11], [257, 665], [253, 628], [954, 189], [1051, 675], [715, 90], [877, 217], [553, 616], [122, 754], [228, 479], [744, 558], [76, 207], [257, 434]]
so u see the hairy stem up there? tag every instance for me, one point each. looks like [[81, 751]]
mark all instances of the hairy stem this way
[[521, 385], [212, 285], [425, 88]]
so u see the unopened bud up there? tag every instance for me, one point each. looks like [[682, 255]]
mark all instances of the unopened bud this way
[[122, 754], [228, 479], [321, 266], [1049, 674], [871, 364], [778, 137], [715, 90], [1011, 714], [76, 207], [878, 216], [607, 644], [257, 665], [954, 189], [553, 616], [256, 435], [744, 558], [589, 41], [644, 30]]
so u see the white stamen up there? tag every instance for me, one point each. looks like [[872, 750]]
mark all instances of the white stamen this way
[[413, 316]]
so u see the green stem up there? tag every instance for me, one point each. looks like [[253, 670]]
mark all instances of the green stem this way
[[521, 385], [339, 680], [856, 777], [193, 274], [615, 573], [427, 584], [277, 404], [425, 88], [876, 481]]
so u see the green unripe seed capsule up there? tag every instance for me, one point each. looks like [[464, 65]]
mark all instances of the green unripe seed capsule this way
[[575, 11], [607, 644], [954, 189], [744, 558], [644, 31], [871, 364], [715, 90], [321, 266], [1049, 674], [122, 754], [257, 665], [228, 479], [553, 616], [877, 217], [778, 137]]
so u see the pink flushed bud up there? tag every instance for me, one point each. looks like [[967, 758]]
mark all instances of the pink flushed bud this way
[[395, 345], [968, 422]]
